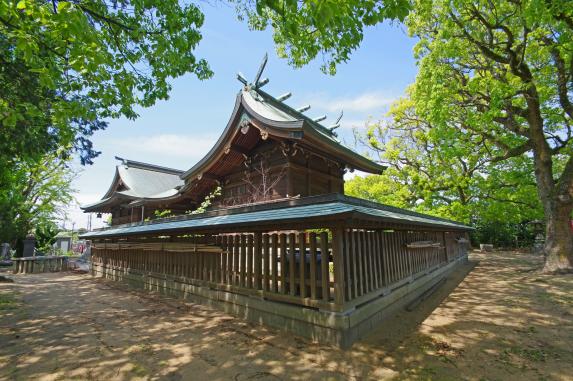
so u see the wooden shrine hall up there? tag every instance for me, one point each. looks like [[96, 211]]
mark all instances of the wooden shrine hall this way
[[280, 243]]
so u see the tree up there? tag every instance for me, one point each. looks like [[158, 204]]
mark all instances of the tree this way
[[304, 29], [34, 194], [455, 180], [501, 71], [505, 69], [66, 66]]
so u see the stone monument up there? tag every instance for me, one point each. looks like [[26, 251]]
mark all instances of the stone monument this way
[[29, 246]]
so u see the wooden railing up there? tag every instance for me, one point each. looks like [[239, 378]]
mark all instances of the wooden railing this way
[[332, 270]]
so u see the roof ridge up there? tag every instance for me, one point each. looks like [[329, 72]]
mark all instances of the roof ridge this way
[[153, 167], [288, 109]]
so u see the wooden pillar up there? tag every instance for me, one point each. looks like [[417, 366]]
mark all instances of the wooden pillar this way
[[325, 275], [243, 261], [302, 263], [291, 264], [338, 260], [266, 263], [313, 265], [250, 261], [274, 262], [283, 245], [257, 257], [308, 176]]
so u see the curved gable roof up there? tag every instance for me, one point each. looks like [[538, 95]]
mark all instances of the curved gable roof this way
[[275, 118], [136, 180]]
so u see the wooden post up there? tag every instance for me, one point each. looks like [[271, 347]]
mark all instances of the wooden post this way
[[257, 257], [338, 259], [274, 262], [302, 263], [325, 275], [266, 260], [359, 278], [283, 244], [291, 263], [224, 259], [243, 261], [250, 261], [312, 244]]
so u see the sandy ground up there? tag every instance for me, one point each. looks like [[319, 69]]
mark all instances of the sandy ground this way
[[504, 321]]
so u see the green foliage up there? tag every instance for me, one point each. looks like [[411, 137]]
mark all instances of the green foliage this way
[[162, 213], [454, 180], [467, 85], [500, 73], [333, 28], [45, 234], [33, 194], [381, 188], [68, 65], [206, 203], [65, 68], [503, 234]]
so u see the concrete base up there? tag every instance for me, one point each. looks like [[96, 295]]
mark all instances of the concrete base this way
[[340, 329]]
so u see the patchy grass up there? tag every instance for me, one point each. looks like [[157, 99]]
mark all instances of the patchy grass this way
[[8, 301]]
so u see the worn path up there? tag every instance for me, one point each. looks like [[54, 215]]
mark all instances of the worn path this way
[[504, 321]]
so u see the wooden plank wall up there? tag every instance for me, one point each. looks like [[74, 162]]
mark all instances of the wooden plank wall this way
[[272, 264], [377, 259]]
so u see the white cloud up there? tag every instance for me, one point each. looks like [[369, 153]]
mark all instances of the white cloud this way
[[87, 198], [371, 101], [354, 123], [173, 145], [356, 173]]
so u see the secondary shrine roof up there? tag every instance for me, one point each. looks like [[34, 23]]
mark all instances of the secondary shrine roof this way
[[134, 180]]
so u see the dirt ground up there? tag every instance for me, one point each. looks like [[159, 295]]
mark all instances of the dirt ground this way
[[504, 321]]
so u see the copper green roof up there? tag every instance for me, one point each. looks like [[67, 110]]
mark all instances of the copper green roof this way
[[281, 120], [326, 208]]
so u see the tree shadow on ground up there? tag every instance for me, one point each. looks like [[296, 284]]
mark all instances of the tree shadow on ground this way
[[504, 320]]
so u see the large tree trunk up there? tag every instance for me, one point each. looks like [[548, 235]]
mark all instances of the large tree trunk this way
[[556, 196], [559, 239]]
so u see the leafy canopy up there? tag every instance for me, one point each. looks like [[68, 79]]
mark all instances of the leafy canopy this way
[[332, 28], [69, 65], [34, 194], [455, 180]]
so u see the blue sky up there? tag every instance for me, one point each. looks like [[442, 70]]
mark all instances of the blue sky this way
[[178, 132]]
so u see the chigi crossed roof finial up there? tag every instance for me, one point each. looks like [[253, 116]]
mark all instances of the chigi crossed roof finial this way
[[257, 82]]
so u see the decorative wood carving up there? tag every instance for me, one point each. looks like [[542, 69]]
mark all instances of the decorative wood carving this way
[[245, 124]]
